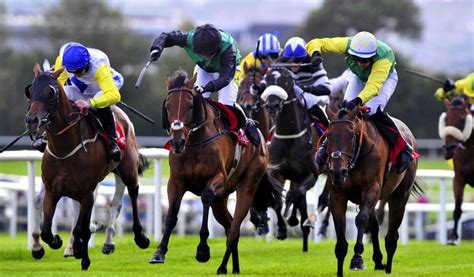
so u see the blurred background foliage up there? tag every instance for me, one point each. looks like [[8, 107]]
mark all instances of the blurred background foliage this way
[[97, 25]]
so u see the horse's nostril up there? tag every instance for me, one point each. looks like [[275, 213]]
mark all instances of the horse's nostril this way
[[31, 120]]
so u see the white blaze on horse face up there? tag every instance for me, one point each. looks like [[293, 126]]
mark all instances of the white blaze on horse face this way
[[274, 90], [177, 125]]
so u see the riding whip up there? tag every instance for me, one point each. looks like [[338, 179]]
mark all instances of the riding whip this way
[[14, 141], [142, 73], [255, 62], [290, 64], [424, 76], [137, 112]]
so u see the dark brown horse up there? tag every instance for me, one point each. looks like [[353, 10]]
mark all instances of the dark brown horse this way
[[455, 128], [205, 161], [75, 160], [357, 164], [293, 145]]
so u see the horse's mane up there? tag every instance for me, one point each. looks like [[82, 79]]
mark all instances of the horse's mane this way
[[180, 77]]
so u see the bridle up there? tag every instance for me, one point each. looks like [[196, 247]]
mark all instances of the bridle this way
[[356, 143]]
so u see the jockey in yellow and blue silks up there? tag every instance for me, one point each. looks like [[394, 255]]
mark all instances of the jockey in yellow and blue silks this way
[[91, 82], [261, 58], [462, 87], [373, 81], [217, 58]]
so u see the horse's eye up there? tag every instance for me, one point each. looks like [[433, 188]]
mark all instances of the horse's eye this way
[[48, 92]]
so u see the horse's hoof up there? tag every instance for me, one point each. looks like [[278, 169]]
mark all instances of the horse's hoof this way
[[282, 234], [157, 259], [379, 267], [452, 242], [142, 241], [357, 264], [108, 248], [203, 256], [68, 252], [293, 221], [222, 270], [85, 264], [309, 223], [38, 254], [263, 229], [56, 243], [236, 271], [77, 254]]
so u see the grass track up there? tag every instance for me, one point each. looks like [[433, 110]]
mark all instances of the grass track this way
[[257, 257]]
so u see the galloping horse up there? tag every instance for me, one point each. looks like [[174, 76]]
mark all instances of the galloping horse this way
[[357, 163], [205, 161], [75, 160], [293, 145], [455, 129]]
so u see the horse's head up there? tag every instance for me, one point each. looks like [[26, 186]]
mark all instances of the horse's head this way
[[249, 101], [455, 126], [342, 143], [183, 107], [279, 91], [43, 94]]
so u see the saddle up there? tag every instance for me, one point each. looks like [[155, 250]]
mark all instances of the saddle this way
[[233, 120], [97, 125]]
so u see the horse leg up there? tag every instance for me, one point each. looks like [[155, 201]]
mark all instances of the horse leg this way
[[338, 207], [260, 221], [282, 232], [458, 189], [293, 219], [76, 206], [175, 195], [49, 207], [303, 209], [367, 208], [324, 224], [109, 246], [374, 232], [37, 250], [141, 240], [87, 203], [203, 253]]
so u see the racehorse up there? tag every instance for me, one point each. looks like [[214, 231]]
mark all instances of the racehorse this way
[[293, 144], [357, 164], [455, 129], [75, 159], [205, 161]]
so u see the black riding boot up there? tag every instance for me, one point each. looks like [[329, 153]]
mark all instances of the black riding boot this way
[[317, 112], [321, 155], [40, 143], [107, 118], [250, 129], [390, 132]]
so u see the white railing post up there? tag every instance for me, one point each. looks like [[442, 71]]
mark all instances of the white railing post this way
[[30, 197], [404, 229], [442, 223], [157, 208], [14, 216]]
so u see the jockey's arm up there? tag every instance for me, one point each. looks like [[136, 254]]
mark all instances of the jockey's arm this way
[[168, 39], [248, 63], [226, 72], [331, 45], [64, 76], [378, 75], [111, 94]]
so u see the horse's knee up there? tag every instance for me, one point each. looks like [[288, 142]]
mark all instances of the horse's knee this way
[[341, 249], [361, 220], [207, 196], [457, 212]]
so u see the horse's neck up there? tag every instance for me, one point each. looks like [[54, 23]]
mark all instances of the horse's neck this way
[[210, 122], [290, 119]]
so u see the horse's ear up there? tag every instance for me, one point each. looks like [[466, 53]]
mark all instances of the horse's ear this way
[[190, 83], [28, 91], [56, 73], [246, 68], [168, 81], [354, 112], [331, 114], [37, 69]]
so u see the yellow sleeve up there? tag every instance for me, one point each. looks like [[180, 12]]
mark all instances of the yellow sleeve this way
[[331, 45], [111, 94], [249, 62], [64, 76], [459, 86], [378, 75]]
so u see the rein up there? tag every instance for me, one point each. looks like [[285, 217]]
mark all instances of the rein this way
[[356, 146]]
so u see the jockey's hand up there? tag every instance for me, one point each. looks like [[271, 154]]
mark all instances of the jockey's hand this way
[[199, 89], [155, 53], [83, 104], [352, 104], [316, 58], [439, 94], [448, 85]]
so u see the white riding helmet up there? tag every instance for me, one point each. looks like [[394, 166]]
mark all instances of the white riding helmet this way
[[363, 45], [295, 48], [269, 44]]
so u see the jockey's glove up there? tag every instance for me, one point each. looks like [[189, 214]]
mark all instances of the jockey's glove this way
[[316, 58], [199, 89], [352, 104], [316, 90], [155, 53], [257, 89], [448, 85]]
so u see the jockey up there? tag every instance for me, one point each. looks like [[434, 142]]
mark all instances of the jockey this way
[[217, 57], [311, 82], [90, 82], [374, 79], [462, 87], [261, 58]]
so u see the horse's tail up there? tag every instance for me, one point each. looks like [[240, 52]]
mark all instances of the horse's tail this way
[[143, 164], [418, 187], [269, 193]]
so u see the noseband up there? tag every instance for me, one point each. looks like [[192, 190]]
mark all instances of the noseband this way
[[356, 144]]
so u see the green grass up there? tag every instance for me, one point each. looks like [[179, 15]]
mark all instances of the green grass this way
[[257, 257]]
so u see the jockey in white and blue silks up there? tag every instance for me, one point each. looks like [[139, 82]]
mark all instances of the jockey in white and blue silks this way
[[91, 82]]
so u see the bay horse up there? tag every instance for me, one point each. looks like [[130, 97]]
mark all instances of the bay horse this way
[[357, 163], [205, 161], [293, 144], [455, 129], [75, 160]]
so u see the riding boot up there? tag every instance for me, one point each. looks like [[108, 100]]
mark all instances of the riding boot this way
[[318, 113], [107, 118], [250, 129], [390, 132], [322, 155], [40, 143]]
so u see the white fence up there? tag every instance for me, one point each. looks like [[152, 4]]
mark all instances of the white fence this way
[[158, 154]]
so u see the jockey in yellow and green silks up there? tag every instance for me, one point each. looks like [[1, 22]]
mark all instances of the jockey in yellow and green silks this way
[[462, 87]]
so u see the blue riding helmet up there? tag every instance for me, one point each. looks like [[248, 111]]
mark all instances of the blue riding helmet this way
[[268, 44], [295, 48], [75, 56]]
